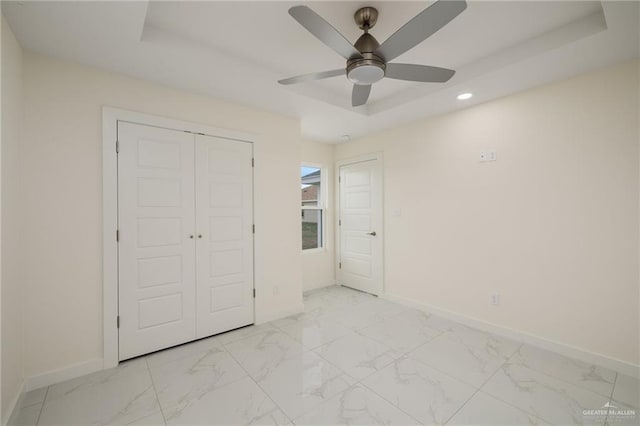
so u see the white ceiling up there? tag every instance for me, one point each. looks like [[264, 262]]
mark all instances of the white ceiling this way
[[238, 50]]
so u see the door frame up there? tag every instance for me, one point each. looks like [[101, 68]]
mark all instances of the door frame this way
[[338, 165], [110, 118]]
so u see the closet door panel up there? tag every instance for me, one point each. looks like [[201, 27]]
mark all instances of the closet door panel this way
[[156, 251], [224, 222]]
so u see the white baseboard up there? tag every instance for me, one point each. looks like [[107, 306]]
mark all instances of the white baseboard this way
[[280, 314], [615, 364], [9, 416], [66, 373], [318, 287]]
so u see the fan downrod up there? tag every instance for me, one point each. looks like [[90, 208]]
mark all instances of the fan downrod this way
[[366, 17]]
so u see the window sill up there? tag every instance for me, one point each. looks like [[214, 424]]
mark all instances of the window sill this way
[[315, 250]]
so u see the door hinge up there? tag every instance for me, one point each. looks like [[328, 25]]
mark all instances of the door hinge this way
[[117, 235], [118, 321], [253, 228], [254, 293], [339, 222], [339, 179], [340, 265], [253, 162], [117, 147]]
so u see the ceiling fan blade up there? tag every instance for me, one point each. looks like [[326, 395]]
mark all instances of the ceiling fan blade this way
[[360, 94], [422, 73], [420, 28], [313, 76], [324, 31]]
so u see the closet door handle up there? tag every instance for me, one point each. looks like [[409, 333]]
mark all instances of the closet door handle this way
[[199, 235], [191, 236]]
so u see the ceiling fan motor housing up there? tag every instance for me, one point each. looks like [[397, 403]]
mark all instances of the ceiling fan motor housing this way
[[369, 68]]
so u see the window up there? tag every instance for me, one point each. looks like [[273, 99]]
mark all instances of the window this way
[[312, 207]]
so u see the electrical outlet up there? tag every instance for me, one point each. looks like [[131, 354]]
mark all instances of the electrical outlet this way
[[495, 299], [486, 156]]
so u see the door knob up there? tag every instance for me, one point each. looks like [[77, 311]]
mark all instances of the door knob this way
[[191, 236], [199, 235], [373, 234]]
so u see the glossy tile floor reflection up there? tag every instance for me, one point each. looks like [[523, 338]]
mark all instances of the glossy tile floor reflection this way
[[350, 358]]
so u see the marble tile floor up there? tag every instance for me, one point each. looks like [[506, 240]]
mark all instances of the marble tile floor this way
[[350, 358]]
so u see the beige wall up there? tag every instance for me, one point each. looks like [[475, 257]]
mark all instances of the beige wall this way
[[12, 286], [552, 225], [63, 206], [318, 267]]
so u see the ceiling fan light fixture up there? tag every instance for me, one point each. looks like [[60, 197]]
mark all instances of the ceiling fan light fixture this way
[[365, 71], [366, 74]]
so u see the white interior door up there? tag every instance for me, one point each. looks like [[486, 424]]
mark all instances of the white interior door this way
[[224, 222], [156, 252], [360, 226]]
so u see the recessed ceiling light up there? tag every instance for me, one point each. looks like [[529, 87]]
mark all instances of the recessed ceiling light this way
[[464, 96]]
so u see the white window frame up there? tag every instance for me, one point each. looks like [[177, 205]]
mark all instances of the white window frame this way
[[322, 206]]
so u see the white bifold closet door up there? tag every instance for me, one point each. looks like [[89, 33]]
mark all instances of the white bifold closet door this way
[[224, 218], [185, 237]]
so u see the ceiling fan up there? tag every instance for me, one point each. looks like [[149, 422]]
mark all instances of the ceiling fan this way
[[368, 60]]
